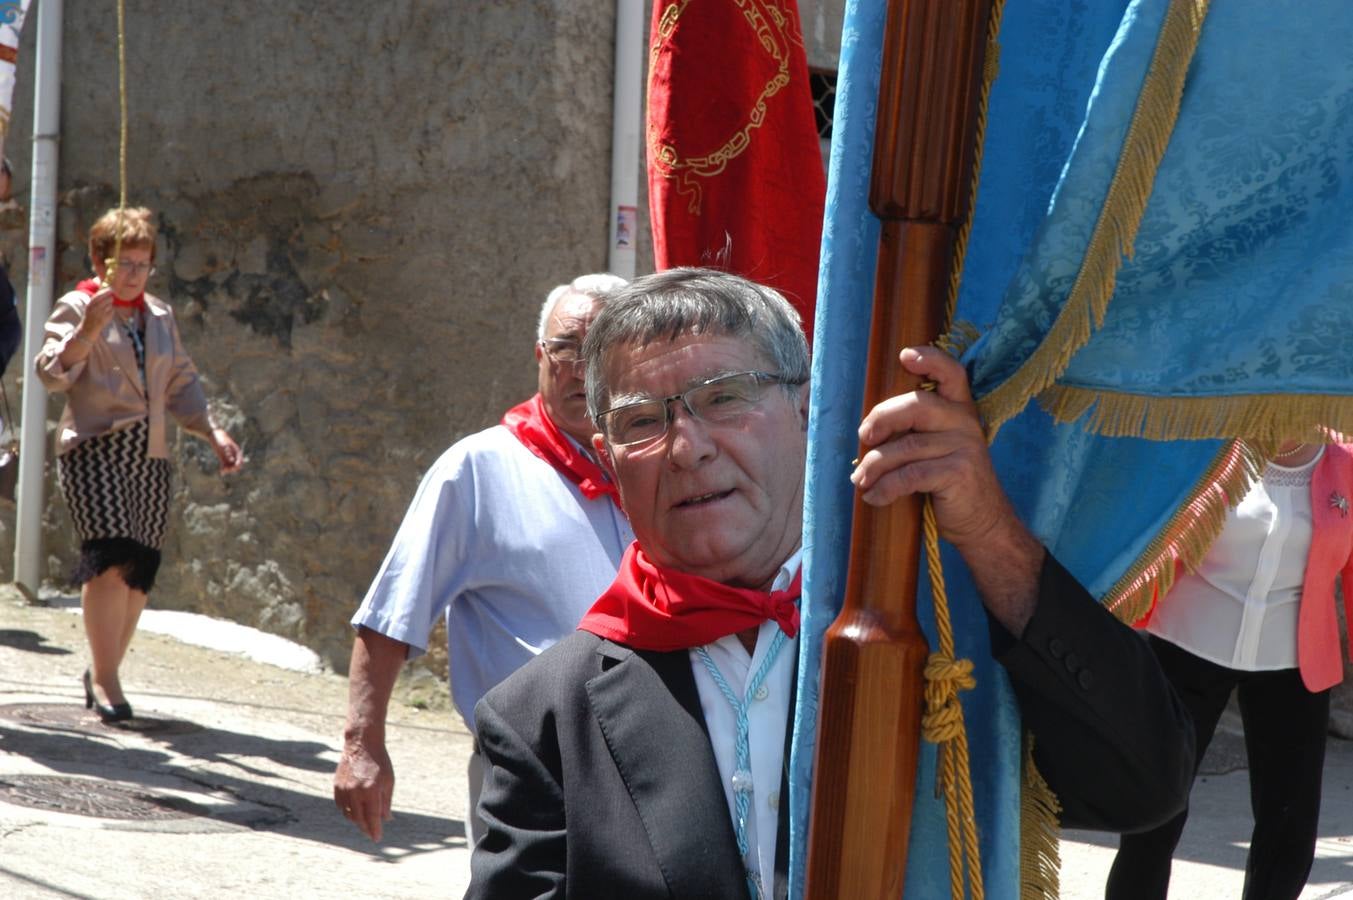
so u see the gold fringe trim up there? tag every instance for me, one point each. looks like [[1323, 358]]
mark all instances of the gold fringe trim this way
[[1148, 134], [991, 65], [1189, 533], [1040, 859], [1198, 522], [1258, 418], [960, 336]]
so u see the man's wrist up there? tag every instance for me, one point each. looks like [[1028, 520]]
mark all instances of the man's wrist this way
[[364, 741], [1006, 568]]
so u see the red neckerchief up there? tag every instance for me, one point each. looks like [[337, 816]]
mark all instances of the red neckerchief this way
[[648, 607], [529, 424], [91, 287]]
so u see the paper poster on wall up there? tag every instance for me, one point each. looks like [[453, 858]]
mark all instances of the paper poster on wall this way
[[625, 219]]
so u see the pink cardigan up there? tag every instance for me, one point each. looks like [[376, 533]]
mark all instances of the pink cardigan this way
[[1331, 557]]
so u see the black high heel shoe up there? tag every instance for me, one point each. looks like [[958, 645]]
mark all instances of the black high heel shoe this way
[[118, 712]]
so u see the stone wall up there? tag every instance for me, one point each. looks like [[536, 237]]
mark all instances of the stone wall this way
[[362, 207]]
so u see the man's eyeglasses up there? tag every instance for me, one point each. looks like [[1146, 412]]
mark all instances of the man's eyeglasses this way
[[135, 268], [561, 350], [719, 400]]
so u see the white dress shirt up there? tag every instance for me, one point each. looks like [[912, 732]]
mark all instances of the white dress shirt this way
[[768, 716], [1240, 609], [508, 547]]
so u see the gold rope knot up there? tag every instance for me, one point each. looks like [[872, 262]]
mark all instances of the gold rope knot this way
[[945, 677]]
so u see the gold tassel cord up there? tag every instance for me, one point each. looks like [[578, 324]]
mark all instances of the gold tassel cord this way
[[942, 724], [945, 675], [1149, 132], [1039, 826]]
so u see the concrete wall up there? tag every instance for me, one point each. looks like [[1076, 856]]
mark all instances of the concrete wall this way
[[821, 20], [362, 207]]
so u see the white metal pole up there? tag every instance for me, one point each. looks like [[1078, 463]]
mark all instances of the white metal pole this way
[[625, 121], [41, 269]]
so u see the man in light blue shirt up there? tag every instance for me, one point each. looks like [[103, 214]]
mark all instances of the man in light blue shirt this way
[[512, 534]]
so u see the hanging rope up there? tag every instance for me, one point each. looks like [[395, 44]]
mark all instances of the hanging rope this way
[[945, 674], [942, 724], [110, 264]]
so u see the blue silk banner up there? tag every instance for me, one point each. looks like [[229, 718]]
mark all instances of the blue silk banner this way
[[1054, 84], [1245, 238], [1234, 314]]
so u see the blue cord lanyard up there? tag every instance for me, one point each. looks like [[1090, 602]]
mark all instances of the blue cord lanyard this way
[[742, 749], [138, 345]]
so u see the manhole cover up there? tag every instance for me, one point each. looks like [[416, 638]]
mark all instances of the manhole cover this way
[[94, 797], [73, 715], [186, 809]]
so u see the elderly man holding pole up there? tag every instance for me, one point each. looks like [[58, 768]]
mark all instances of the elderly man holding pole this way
[[644, 755]]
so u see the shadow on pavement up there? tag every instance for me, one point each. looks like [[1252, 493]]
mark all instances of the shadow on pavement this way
[[216, 746], [30, 641], [45, 886], [94, 750], [1228, 848]]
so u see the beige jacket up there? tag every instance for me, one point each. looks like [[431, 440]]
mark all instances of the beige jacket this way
[[104, 392]]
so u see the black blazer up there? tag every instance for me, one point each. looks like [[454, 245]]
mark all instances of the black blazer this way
[[601, 781]]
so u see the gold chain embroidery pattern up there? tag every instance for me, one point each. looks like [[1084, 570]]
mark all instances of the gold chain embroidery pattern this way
[[774, 35]]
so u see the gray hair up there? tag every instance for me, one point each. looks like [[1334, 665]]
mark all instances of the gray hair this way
[[595, 286], [671, 303]]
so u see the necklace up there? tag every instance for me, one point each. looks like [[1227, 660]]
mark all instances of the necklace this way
[[1288, 454]]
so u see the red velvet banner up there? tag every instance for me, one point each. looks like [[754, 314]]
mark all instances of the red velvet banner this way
[[735, 170]]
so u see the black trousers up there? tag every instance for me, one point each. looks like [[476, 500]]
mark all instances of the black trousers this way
[[1285, 727]]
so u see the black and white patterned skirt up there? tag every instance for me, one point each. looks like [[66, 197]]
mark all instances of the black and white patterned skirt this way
[[118, 498]]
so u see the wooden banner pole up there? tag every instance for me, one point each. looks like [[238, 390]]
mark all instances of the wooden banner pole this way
[[870, 707]]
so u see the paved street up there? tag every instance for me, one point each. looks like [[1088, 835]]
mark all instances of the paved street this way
[[220, 786], [1210, 861]]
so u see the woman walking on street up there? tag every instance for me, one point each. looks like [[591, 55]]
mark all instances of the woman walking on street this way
[[114, 351]]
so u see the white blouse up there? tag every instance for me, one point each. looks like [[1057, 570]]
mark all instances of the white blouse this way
[[1239, 610]]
